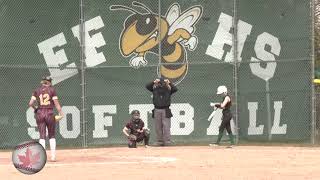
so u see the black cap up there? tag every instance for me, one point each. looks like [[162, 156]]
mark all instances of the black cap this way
[[135, 112]]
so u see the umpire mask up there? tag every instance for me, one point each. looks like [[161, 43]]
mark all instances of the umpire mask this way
[[162, 83]]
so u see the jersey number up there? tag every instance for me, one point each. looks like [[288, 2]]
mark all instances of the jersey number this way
[[44, 99]]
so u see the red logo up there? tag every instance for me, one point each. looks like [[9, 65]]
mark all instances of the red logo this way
[[29, 159]]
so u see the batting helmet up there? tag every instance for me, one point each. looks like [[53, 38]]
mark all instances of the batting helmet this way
[[222, 89]]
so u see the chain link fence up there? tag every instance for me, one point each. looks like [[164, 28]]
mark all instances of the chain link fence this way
[[317, 115], [261, 51]]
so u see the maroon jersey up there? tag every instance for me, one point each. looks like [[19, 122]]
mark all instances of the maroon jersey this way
[[134, 126], [45, 95]]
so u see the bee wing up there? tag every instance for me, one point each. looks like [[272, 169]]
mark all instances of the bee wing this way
[[186, 20], [173, 13]]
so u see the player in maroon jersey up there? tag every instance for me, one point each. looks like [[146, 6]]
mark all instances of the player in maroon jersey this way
[[135, 130], [47, 99]]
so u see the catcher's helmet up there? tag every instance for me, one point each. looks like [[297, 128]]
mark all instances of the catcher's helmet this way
[[135, 112]]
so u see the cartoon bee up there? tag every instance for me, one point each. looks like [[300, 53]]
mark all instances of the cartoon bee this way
[[146, 32]]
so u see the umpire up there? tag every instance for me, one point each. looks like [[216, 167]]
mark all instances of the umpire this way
[[162, 90]]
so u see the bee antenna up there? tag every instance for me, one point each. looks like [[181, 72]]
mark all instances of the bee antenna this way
[[119, 7], [135, 3]]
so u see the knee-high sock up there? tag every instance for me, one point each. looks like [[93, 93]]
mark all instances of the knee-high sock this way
[[219, 137], [53, 148], [231, 138], [43, 143]]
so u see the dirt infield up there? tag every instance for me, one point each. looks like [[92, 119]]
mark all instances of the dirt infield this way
[[176, 163]]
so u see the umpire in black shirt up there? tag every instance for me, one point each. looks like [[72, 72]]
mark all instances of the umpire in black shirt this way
[[162, 90]]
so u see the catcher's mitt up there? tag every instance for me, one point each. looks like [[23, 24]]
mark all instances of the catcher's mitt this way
[[132, 137], [58, 118]]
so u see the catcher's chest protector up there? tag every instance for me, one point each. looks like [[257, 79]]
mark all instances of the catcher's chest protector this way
[[136, 125]]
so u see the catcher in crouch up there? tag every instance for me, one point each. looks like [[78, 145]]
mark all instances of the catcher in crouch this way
[[47, 99], [135, 130]]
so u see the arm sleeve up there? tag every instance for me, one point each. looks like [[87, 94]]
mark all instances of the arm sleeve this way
[[149, 86]]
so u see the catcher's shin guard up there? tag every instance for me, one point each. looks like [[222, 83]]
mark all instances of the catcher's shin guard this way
[[132, 144]]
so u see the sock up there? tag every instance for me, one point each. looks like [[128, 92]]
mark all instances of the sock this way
[[43, 143], [231, 139], [219, 137], [53, 148]]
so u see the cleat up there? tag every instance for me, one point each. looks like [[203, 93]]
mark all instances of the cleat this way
[[214, 145], [230, 146], [169, 143], [158, 144]]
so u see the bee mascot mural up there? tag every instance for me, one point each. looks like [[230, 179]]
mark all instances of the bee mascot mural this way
[[168, 36]]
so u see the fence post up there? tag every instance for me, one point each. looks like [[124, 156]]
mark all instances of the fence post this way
[[235, 69], [313, 123], [83, 81]]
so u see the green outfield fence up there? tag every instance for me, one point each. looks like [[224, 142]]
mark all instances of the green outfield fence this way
[[261, 50]]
